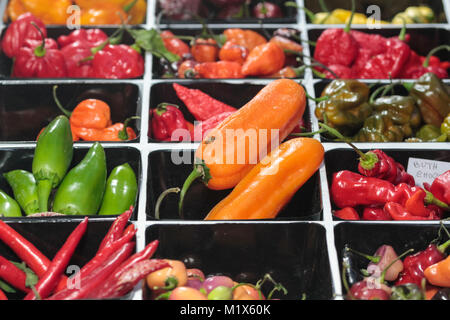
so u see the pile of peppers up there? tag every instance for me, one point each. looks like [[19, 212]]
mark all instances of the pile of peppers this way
[[236, 53], [423, 275], [384, 116], [85, 189], [98, 12], [177, 282], [351, 54], [112, 273], [84, 53]]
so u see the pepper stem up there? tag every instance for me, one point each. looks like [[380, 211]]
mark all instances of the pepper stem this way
[[349, 24], [383, 274], [129, 6], [444, 246], [426, 63], [402, 35], [161, 198], [44, 188], [431, 199], [194, 175], [58, 103], [374, 259], [39, 51], [123, 134]]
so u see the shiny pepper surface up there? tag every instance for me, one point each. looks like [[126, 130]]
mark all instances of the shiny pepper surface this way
[[205, 50], [118, 62], [347, 107], [402, 110], [380, 127], [49, 11], [263, 60], [166, 119]]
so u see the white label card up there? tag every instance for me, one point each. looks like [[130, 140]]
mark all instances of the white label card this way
[[424, 170]]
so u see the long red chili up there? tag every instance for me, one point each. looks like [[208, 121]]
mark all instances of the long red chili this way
[[13, 275], [48, 282], [116, 229], [147, 253], [97, 276]]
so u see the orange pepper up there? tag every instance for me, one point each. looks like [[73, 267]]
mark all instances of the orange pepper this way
[[218, 70], [286, 72], [233, 52], [110, 133], [286, 44], [187, 66], [438, 274], [246, 292], [136, 14], [104, 13], [430, 292], [91, 113], [222, 160], [264, 59], [14, 10], [205, 50], [288, 167], [177, 271], [49, 11], [173, 44], [246, 38]]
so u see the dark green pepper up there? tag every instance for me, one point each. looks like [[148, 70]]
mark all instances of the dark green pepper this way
[[120, 192], [431, 133], [82, 189], [380, 127], [24, 188], [8, 206], [52, 158], [432, 97], [407, 291], [346, 107]]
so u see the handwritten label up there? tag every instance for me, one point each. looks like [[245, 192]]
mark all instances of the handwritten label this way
[[424, 170]]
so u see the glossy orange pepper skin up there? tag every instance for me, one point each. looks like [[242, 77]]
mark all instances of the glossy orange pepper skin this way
[[264, 59], [49, 11], [233, 52], [110, 133], [104, 13], [246, 292], [91, 113], [187, 66], [279, 105], [286, 72], [219, 70], [173, 44], [286, 44], [158, 278], [247, 38], [136, 14], [15, 9], [205, 50], [288, 167], [438, 274]]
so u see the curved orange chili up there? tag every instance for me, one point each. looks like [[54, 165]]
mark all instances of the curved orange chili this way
[[218, 70], [233, 148], [438, 274], [288, 167], [247, 38], [233, 52], [173, 44], [113, 132], [287, 44], [264, 59], [205, 50]]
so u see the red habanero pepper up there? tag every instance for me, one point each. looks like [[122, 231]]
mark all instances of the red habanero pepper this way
[[168, 123], [39, 61], [96, 276], [204, 127], [201, 105], [88, 37], [21, 30], [118, 62], [218, 70], [340, 71], [415, 265], [378, 164], [373, 213], [175, 45], [347, 213], [48, 282], [440, 188], [398, 212], [13, 275], [74, 56]]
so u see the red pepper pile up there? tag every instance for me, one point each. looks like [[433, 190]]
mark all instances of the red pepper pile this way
[[351, 54], [384, 191], [81, 54], [113, 272]]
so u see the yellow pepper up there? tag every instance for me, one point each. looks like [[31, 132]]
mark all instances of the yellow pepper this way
[[326, 18], [421, 14]]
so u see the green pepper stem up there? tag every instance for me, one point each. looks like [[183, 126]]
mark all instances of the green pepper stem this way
[[129, 6], [374, 259], [349, 24], [123, 134], [426, 63], [194, 175], [39, 51], [324, 98], [444, 246], [161, 198], [383, 274], [431, 199], [402, 35], [323, 6], [44, 190], [58, 103], [113, 39]]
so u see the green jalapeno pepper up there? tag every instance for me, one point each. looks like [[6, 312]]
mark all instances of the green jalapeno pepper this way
[[120, 192], [24, 188], [8, 206], [82, 189], [52, 158]]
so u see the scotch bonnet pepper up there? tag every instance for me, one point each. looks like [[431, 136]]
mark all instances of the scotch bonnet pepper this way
[[168, 123]]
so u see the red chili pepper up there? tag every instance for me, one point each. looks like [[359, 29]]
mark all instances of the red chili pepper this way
[[74, 56], [19, 31], [398, 212], [48, 282], [204, 127], [168, 123], [440, 188], [219, 70], [83, 37], [174, 45], [414, 265], [201, 105], [375, 214], [205, 50], [13, 275], [39, 61], [347, 213], [116, 229], [146, 253], [118, 62], [97, 276], [120, 283], [378, 164]]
